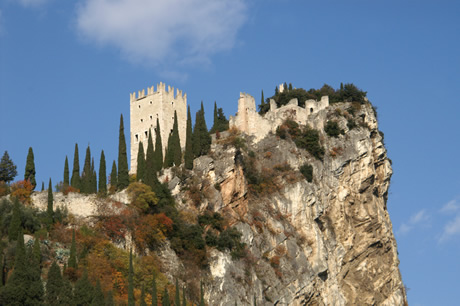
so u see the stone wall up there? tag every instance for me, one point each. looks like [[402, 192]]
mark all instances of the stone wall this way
[[250, 122], [144, 111]]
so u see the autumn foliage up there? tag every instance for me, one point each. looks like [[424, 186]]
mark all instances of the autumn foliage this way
[[22, 190]]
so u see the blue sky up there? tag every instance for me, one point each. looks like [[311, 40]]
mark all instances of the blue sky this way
[[67, 68]]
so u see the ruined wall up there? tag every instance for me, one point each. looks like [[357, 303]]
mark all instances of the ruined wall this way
[[250, 122], [144, 111]]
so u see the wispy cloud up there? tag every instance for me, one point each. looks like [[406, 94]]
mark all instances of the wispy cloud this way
[[416, 219], [169, 32], [452, 227]]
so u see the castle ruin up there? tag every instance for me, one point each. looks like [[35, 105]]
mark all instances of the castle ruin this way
[[146, 109], [249, 121]]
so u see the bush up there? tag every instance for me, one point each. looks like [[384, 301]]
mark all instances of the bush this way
[[309, 140], [351, 124], [332, 129], [307, 171]]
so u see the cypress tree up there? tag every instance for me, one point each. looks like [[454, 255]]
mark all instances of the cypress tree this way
[[43, 186], [130, 280], [169, 159], [93, 180], [29, 173], [150, 176], [285, 87], [102, 175], [216, 119], [290, 86], [36, 251], [184, 301], [98, 298], [15, 223], [67, 297], [142, 302], [54, 285], [140, 163], [75, 181], [165, 301], [177, 151], [66, 172], [255, 303], [154, 292], [201, 137], [72, 263], [276, 91], [49, 209], [2, 270], [201, 294], [188, 156], [123, 176], [109, 299], [177, 297], [86, 174], [158, 156], [113, 177], [84, 291]]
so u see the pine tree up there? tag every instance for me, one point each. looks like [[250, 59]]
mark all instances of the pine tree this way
[[188, 156], [75, 181], [130, 280], [154, 292], [123, 176], [29, 173], [102, 175], [140, 163], [49, 209], [177, 297], [72, 263], [66, 172], [165, 300], [7, 168], [84, 291], [15, 223], [86, 174], [113, 177], [98, 298], [142, 302], [54, 285], [158, 156]]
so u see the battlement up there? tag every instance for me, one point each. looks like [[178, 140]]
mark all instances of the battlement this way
[[161, 89]]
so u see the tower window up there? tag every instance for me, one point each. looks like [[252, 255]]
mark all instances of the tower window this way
[[311, 110], [139, 106], [142, 120], [137, 137], [150, 102], [151, 117], [146, 134]]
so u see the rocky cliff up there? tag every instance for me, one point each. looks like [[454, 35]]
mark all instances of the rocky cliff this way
[[324, 242]]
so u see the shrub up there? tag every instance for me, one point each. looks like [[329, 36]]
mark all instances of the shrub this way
[[309, 140], [351, 124], [307, 171], [22, 191], [332, 129]]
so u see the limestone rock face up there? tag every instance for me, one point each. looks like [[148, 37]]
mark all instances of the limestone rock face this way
[[328, 242]]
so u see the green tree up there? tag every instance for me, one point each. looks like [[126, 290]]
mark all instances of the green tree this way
[[131, 301], [15, 223], [174, 152], [123, 176], [84, 291], [93, 180], [109, 299], [98, 298], [263, 108], [220, 121], [150, 176], [67, 297], [142, 302], [29, 173], [184, 301], [140, 163], [75, 181], [201, 295], [201, 137], [158, 156], [7, 169], [102, 175], [165, 300], [49, 209], [86, 174], [54, 285], [43, 186], [113, 177], [66, 172], [72, 263], [177, 297], [188, 155]]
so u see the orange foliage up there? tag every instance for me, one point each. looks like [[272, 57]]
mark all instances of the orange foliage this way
[[61, 234], [151, 230], [22, 191], [68, 189], [113, 227]]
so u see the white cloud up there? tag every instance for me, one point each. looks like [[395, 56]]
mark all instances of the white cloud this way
[[415, 219], [170, 32], [31, 3], [451, 206], [452, 228]]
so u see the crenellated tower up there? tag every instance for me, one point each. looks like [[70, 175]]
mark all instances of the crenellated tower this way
[[146, 108]]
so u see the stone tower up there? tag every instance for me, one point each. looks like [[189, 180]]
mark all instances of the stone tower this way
[[144, 111]]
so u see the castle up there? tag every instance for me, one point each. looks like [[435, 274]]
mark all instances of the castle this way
[[161, 104], [146, 109]]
